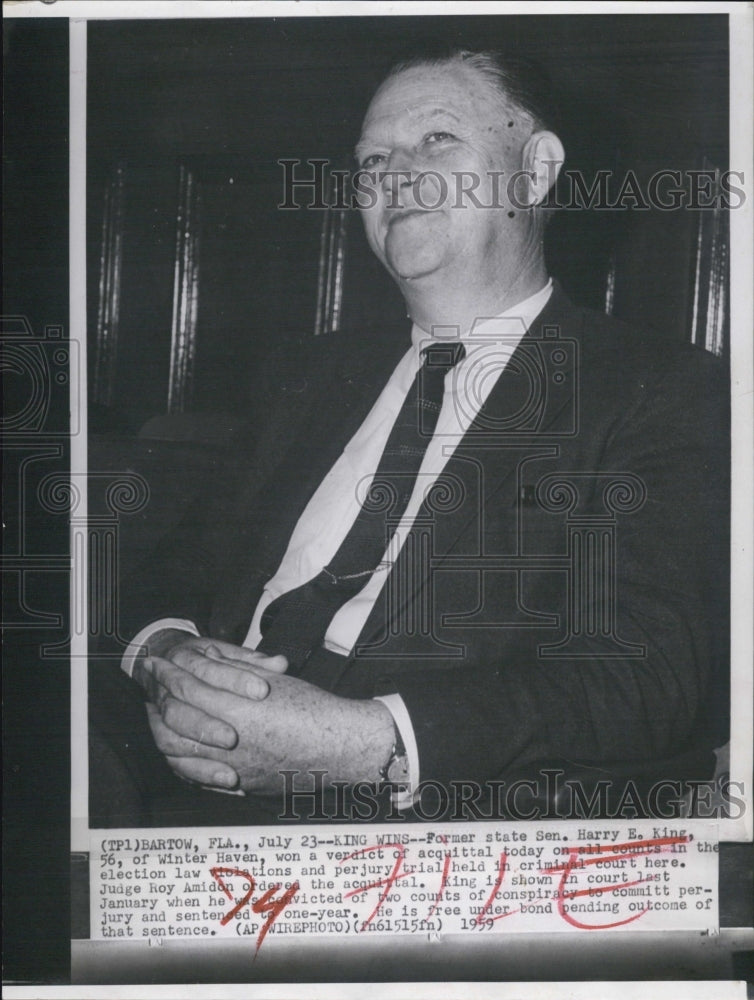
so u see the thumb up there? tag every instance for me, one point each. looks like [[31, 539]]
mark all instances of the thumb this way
[[242, 655], [220, 650], [277, 664]]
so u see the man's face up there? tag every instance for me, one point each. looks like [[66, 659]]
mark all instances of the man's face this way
[[432, 131]]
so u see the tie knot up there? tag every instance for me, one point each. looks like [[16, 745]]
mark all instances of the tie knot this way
[[440, 358]]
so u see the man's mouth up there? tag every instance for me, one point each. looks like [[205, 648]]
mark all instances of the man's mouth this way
[[397, 214]]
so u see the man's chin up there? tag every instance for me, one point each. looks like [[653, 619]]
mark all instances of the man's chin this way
[[408, 263]]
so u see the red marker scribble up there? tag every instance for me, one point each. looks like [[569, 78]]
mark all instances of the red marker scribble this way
[[265, 904], [443, 879], [630, 849], [389, 881], [502, 866], [217, 874]]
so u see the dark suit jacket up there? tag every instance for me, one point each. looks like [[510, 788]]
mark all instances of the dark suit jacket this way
[[563, 595]]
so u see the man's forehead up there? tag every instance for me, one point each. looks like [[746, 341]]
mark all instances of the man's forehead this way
[[428, 92]]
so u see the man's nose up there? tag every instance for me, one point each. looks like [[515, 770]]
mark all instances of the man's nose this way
[[399, 169]]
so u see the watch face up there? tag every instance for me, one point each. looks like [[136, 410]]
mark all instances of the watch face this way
[[398, 769]]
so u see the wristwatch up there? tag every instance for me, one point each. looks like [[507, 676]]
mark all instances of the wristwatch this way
[[395, 770]]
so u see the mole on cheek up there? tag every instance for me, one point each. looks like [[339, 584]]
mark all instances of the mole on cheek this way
[[511, 214], [510, 124]]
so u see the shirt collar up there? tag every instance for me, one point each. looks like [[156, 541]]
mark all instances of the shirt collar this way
[[514, 321]]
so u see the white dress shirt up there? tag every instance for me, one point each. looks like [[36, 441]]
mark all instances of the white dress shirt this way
[[332, 509]]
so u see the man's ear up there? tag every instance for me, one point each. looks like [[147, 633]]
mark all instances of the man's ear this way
[[543, 156]]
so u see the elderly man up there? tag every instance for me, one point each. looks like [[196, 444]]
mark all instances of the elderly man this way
[[542, 586]]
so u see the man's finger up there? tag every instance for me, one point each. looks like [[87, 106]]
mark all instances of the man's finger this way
[[275, 664], [181, 684], [188, 759], [201, 771], [172, 744], [185, 720], [220, 674], [244, 657]]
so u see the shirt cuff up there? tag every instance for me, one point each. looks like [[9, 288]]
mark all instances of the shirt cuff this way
[[133, 649], [397, 708]]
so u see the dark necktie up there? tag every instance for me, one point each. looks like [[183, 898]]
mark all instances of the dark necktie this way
[[296, 622]]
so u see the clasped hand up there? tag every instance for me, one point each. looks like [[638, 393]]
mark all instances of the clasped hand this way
[[229, 717]]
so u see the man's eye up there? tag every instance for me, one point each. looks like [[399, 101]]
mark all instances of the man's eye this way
[[371, 161], [434, 137]]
